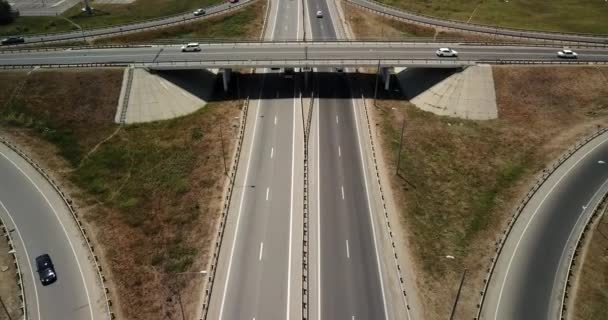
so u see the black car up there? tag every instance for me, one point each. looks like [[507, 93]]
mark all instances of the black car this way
[[13, 40], [46, 270]]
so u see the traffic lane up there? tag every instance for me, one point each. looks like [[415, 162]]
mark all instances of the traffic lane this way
[[353, 288], [172, 54], [42, 232], [531, 282], [287, 21], [322, 28]]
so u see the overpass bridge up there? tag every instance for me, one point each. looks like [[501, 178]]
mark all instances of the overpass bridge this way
[[355, 54]]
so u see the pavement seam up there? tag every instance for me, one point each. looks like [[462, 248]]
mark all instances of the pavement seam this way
[[544, 176], [74, 214]]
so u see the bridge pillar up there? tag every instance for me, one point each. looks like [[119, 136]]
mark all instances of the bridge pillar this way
[[386, 77], [226, 77]]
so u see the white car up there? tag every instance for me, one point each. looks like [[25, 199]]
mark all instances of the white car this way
[[191, 47], [567, 54], [199, 12], [319, 14], [446, 52]]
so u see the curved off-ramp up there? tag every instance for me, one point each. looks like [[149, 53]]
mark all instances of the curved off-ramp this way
[[530, 273], [41, 223]]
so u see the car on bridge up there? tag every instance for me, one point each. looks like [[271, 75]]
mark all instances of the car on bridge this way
[[567, 54], [45, 269], [199, 12], [446, 52], [191, 47]]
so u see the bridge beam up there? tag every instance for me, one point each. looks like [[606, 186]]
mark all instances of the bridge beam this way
[[386, 77], [226, 77]]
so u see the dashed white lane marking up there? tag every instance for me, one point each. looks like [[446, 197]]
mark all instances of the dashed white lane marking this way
[[271, 152], [347, 251], [342, 188], [267, 193], [162, 83], [261, 250], [275, 120], [337, 121], [339, 152]]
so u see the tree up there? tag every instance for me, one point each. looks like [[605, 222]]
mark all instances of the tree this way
[[6, 12]]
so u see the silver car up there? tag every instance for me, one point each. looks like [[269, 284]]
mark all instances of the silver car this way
[[191, 47], [567, 54], [446, 52]]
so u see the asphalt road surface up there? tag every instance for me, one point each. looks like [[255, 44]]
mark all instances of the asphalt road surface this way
[[280, 52], [42, 225], [349, 281], [529, 277], [258, 275]]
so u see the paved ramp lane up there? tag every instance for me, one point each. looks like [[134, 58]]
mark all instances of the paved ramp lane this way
[[42, 224]]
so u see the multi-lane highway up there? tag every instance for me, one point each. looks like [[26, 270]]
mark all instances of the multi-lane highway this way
[[529, 279], [42, 224], [244, 54], [259, 272]]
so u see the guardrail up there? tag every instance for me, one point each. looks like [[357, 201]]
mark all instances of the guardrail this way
[[12, 248], [540, 180], [224, 217], [560, 37], [306, 212], [68, 203], [579, 242]]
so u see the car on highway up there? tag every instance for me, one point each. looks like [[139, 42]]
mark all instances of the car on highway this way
[[319, 14], [567, 54], [199, 12], [191, 47], [446, 52], [13, 40], [45, 269]]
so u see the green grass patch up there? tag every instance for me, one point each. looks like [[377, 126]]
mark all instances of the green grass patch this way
[[104, 15], [587, 16]]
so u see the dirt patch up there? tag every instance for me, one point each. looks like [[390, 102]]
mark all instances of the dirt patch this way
[[151, 194], [459, 180], [591, 297]]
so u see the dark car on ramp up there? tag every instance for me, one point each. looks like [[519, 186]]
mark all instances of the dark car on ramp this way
[[12, 40], [45, 269]]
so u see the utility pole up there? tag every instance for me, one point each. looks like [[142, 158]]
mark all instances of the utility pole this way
[[5, 310], [400, 144]]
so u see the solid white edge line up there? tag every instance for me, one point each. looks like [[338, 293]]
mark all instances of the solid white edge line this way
[[502, 286], [318, 212], [27, 258], [293, 155], [65, 232], [238, 219], [369, 207]]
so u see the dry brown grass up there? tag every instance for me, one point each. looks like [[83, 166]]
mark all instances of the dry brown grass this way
[[151, 195], [460, 179], [591, 296], [9, 292]]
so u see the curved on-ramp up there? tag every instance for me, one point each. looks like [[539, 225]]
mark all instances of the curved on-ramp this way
[[41, 223], [531, 271]]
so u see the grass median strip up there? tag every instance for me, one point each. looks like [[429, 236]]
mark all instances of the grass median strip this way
[[459, 180], [151, 194]]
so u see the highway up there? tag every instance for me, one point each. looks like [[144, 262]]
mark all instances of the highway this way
[[531, 271], [349, 279], [259, 271], [42, 224]]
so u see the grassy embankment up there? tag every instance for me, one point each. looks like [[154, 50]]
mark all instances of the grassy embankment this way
[[461, 179], [591, 302], [104, 15], [587, 16], [151, 193]]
